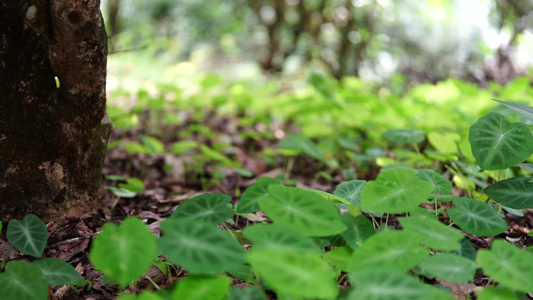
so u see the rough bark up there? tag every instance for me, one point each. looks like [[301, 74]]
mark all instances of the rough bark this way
[[52, 139]]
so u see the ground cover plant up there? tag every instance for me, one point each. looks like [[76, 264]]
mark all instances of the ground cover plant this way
[[374, 200]]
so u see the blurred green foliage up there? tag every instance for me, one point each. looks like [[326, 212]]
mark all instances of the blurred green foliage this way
[[425, 41]]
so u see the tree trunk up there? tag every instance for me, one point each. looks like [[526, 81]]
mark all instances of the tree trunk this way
[[52, 139]]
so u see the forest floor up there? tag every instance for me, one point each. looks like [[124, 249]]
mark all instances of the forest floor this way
[[166, 188]]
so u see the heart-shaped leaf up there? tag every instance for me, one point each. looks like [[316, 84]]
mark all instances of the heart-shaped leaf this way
[[404, 136], [302, 210], [201, 288], [248, 201], [124, 252], [433, 233], [276, 236], [398, 250], [22, 281], [516, 192], [439, 182], [382, 283], [200, 247], [351, 191], [359, 229], [449, 267], [247, 293], [28, 236], [476, 217], [508, 265], [498, 144], [395, 191], [56, 271], [295, 274], [212, 208]]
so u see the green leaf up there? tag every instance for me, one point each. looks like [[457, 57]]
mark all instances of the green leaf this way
[[433, 233], [56, 271], [508, 265], [526, 166], [211, 208], [339, 257], [476, 217], [395, 191], [29, 235], [182, 147], [359, 229], [146, 295], [276, 236], [381, 283], [439, 182], [449, 267], [443, 143], [398, 250], [124, 252], [199, 247], [524, 109], [202, 288], [467, 250], [295, 274], [22, 281], [330, 197], [248, 201], [498, 144], [516, 192], [218, 157], [351, 191], [247, 293], [404, 136], [153, 144], [496, 293], [302, 210]]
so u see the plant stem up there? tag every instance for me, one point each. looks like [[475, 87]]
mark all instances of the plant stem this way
[[152, 282]]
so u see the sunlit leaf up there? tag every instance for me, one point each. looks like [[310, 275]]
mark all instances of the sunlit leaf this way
[[496, 293], [295, 274], [302, 210], [351, 191], [339, 257], [443, 143], [395, 191], [508, 265], [476, 217], [498, 144], [124, 252], [28, 236], [202, 288], [516, 192], [439, 182]]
